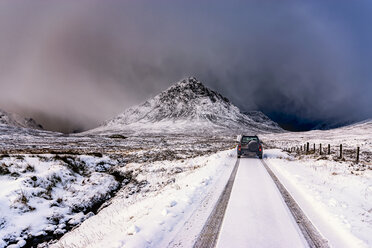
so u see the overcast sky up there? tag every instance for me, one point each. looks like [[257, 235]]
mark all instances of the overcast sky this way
[[73, 64]]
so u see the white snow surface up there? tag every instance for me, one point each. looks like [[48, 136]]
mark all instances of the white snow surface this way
[[40, 193], [156, 218], [336, 199], [256, 215], [188, 106]]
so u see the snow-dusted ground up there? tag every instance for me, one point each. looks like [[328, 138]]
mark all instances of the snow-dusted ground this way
[[256, 215], [155, 216], [41, 194], [335, 197]]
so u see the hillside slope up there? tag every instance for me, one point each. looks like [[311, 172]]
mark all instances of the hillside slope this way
[[15, 120]]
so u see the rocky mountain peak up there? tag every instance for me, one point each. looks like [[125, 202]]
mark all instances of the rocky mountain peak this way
[[188, 89]]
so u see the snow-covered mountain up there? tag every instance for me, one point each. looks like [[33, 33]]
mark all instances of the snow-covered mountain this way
[[189, 106], [15, 120]]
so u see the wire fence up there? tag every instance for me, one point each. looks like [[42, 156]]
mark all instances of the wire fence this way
[[319, 149]]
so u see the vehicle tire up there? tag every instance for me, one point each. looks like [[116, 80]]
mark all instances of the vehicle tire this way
[[238, 156], [260, 156]]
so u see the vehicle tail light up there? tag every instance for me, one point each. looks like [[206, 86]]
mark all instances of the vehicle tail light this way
[[260, 148]]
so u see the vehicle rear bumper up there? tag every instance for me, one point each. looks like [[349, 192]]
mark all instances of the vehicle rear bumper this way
[[249, 153]]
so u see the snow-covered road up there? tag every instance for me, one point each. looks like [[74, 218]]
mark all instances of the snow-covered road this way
[[256, 215]]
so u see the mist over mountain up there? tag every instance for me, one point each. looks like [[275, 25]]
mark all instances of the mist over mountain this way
[[15, 120]]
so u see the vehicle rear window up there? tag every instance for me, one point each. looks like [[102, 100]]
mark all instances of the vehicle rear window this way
[[246, 139]]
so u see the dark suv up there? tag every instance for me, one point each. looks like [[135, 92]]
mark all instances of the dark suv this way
[[250, 146]]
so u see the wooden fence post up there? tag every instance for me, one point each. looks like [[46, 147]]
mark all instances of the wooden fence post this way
[[314, 147], [357, 156], [340, 150], [307, 147], [329, 149], [320, 149]]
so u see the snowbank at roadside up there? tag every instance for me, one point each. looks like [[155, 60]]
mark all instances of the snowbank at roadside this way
[[335, 197], [275, 153], [152, 217]]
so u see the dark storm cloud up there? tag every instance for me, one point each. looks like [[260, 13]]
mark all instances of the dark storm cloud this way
[[73, 64]]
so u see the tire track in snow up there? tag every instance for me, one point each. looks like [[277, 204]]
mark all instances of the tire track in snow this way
[[209, 234], [311, 234]]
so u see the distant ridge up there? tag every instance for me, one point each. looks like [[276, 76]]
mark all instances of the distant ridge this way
[[15, 120]]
